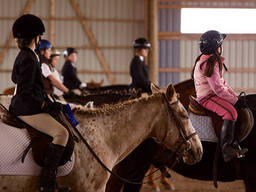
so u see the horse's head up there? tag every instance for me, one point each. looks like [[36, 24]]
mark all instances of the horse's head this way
[[179, 135]]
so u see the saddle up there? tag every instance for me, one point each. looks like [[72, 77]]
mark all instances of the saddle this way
[[39, 141], [243, 125]]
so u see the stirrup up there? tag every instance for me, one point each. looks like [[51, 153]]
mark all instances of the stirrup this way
[[240, 152]]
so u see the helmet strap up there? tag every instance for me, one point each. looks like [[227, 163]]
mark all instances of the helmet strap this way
[[37, 48]]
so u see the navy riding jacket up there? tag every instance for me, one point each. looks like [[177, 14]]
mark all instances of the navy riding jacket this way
[[139, 74]]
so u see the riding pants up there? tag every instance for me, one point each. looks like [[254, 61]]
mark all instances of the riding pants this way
[[45, 123], [220, 106]]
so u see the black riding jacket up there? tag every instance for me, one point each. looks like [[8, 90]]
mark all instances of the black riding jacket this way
[[69, 73], [139, 74], [27, 75]]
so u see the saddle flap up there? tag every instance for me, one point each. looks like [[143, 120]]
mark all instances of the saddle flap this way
[[9, 119], [244, 124], [196, 108]]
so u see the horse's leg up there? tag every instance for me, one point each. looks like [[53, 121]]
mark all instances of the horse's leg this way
[[114, 184], [138, 177], [167, 185], [151, 183]]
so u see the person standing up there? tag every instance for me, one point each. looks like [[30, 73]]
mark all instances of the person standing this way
[[138, 68]]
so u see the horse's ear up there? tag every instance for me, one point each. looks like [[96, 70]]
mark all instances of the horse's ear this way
[[170, 93], [154, 88]]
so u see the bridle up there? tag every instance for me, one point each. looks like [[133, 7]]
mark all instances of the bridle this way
[[181, 129]]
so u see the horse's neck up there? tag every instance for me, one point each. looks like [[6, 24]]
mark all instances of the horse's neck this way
[[5, 100], [120, 132]]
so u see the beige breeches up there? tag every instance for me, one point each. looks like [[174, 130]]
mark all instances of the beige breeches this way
[[47, 124]]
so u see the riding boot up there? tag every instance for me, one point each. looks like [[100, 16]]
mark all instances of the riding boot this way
[[47, 179], [229, 150]]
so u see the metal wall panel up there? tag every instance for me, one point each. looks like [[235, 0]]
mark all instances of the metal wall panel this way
[[168, 21], [238, 54], [119, 34]]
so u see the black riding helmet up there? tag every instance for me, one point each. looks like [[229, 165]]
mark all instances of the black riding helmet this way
[[69, 51], [210, 41], [141, 43], [28, 26]]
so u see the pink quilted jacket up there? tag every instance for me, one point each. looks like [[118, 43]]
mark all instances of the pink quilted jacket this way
[[214, 85]]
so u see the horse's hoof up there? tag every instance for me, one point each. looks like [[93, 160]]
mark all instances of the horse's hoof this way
[[157, 189], [169, 187]]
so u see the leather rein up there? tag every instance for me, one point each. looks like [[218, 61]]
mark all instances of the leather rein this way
[[177, 152]]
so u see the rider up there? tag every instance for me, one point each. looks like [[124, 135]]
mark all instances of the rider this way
[[29, 102], [138, 68], [54, 58], [51, 77], [69, 71], [213, 93]]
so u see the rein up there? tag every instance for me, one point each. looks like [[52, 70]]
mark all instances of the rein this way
[[176, 153], [100, 162]]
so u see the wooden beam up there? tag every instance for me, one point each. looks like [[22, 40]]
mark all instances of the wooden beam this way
[[93, 42], [10, 38], [153, 39], [83, 18], [196, 36], [179, 6], [52, 22], [86, 47], [222, 1], [189, 69], [83, 71], [146, 18]]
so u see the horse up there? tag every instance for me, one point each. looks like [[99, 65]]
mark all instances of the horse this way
[[114, 131], [238, 169], [109, 89], [100, 99]]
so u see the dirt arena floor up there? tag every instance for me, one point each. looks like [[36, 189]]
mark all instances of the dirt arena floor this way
[[184, 184]]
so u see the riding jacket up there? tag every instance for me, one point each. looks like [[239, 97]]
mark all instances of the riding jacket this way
[[69, 73], [139, 74], [214, 85], [26, 73]]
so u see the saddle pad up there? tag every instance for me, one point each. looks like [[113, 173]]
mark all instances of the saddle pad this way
[[203, 127], [13, 142]]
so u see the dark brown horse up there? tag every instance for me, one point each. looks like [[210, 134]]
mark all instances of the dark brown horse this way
[[137, 163], [99, 99], [109, 89]]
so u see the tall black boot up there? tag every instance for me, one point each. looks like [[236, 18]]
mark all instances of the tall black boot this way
[[229, 149], [47, 180]]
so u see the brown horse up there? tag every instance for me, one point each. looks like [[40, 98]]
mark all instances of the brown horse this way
[[108, 131], [100, 99], [143, 156]]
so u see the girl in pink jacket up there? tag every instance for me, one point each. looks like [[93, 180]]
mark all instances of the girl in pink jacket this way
[[213, 93]]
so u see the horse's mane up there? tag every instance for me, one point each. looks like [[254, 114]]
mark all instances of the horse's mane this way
[[5, 100], [109, 109]]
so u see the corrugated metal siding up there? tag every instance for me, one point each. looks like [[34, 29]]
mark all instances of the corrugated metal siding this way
[[168, 21], [238, 54], [70, 33]]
